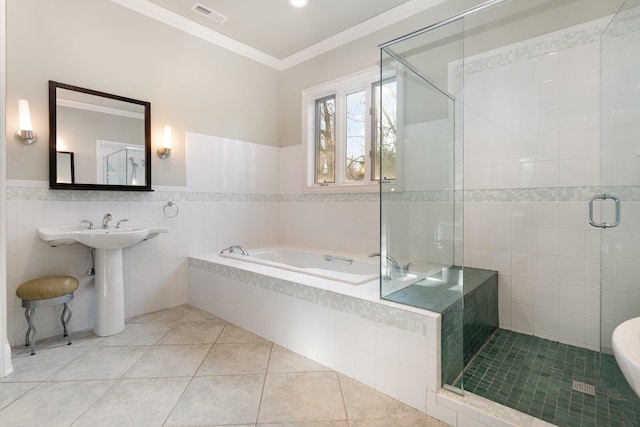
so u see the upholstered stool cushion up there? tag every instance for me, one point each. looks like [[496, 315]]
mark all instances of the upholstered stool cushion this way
[[47, 287]]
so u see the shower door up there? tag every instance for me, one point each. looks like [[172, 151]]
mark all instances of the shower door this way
[[620, 172]]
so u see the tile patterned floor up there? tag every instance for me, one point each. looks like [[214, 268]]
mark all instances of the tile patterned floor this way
[[184, 367], [535, 376]]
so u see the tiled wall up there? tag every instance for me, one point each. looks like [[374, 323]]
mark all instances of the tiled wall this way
[[223, 205], [532, 125], [347, 222]]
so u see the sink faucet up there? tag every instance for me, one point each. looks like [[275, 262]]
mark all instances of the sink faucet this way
[[91, 226], [105, 220], [396, 270]]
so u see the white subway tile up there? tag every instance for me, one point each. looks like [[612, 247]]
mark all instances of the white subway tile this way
[[546, 322], [522, 319]]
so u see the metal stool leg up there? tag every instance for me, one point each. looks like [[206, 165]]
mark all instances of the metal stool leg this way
[[31, 342], [66, 310]]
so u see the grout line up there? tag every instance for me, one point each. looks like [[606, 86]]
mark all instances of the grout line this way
[[264, 384], [344, 403]]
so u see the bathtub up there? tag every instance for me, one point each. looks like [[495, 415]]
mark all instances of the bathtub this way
[[325, 265]]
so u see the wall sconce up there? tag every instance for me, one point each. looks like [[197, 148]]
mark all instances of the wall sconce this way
[[25, 133], [165, 150], [298, 3]]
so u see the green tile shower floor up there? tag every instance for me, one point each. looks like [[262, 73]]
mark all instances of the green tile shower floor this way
[[535, 376]]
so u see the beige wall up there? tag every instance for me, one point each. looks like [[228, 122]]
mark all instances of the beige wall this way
[[191, 84], [196, 86]]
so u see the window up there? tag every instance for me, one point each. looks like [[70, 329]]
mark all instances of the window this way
[[341, 125], [325, 139], [386, 120], [356, 139]]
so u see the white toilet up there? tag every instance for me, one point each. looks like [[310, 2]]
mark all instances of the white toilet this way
[[626, 349]]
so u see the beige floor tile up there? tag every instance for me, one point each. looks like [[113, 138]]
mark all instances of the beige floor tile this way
[[232, 334], [415, 421], [100, 363], [138, 334], [187, 367], [197, 315], [169, 361], [43, 364], [283, 360], [169, 315], [219, 400], [9, 392], [308, 424], [139, 402], [363, 402], [236, 359], [79, 338], [53, 403], [301, 397], [192, 333]]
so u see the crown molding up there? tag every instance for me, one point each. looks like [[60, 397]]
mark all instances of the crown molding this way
[[179, 22], [398, 13]]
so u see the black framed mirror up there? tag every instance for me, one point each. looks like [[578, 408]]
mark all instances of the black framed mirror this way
[[108, 138]]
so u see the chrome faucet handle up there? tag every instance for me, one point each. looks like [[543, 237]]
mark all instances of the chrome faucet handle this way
[[118, 223], [91, 226]]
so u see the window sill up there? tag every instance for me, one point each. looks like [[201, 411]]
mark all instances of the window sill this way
[[343, 188]]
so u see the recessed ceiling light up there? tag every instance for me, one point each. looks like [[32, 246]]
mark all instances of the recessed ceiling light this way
[[298, 3]]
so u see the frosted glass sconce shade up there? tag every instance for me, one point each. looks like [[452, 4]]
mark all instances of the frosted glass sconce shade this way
[[25, 133], [165, 150]]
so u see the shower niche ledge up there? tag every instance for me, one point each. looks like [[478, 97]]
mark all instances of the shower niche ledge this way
[[109, 273]]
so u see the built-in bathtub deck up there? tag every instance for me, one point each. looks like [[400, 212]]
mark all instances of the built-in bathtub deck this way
[[391, 347]]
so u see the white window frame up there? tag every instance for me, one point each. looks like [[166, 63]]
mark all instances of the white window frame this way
[[341, 87]]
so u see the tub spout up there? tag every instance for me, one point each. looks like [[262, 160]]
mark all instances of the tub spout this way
[[396, 270], [231, 249]]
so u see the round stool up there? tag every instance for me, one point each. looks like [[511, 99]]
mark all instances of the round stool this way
[[43, 292]]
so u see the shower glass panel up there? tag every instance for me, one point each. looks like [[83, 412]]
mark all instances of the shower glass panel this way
[[124, 167], [419, 162], [620, 171]]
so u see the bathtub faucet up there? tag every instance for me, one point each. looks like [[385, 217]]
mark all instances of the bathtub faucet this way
[[231, 249], [396, 270]]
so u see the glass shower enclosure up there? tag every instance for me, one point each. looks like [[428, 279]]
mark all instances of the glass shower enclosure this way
[[125, 166], [620, 171], [419, 160]]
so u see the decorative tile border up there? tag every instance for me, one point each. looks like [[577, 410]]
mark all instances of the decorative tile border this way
[[375, 312], [330, 197], [579, 35], [625, 28], [541, 194]]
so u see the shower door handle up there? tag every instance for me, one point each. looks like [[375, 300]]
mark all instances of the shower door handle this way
[[617, 211]]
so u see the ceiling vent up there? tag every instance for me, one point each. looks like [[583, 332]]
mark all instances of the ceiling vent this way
[[211, 14]]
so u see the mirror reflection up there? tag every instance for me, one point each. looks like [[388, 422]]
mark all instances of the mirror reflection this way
[[106, 136], [66, 172]]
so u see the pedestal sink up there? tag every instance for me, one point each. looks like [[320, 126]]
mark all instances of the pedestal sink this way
[[109, 274]]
